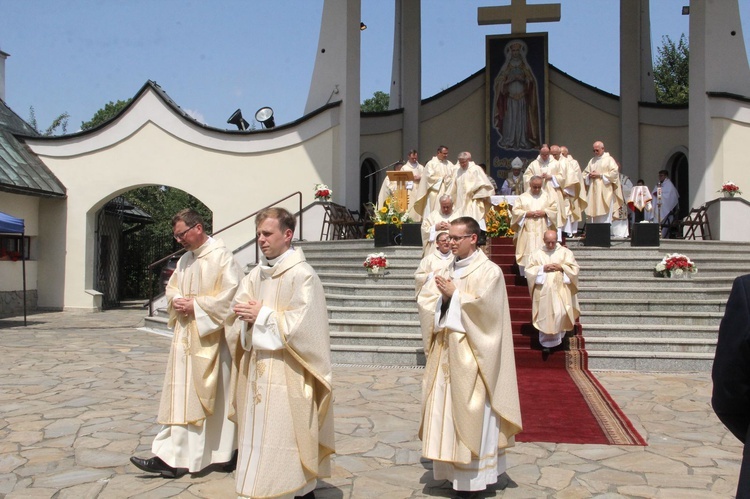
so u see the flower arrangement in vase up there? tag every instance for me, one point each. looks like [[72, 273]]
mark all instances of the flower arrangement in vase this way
[[323, 192], [730, 189], [375, 263], [389, 213], [675, 265], [497, 220]]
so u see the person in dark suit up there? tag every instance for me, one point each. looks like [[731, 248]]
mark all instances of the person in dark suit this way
[[731, 374]]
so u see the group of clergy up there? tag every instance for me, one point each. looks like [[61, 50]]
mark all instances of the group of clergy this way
[[248, 382], [465, 182]]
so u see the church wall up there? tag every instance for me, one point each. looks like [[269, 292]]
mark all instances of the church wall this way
[[658, 145], [730, 140], [577, 124], [232, 184], [27, 208], [383, 148], [52, 252], [460, 126]]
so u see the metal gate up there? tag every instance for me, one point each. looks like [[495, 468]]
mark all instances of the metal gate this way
[[107, 256]]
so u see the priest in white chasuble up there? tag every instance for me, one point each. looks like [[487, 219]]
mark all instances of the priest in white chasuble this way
[[553, 179], [552, 277], [413, 165], [620, 227], [282, 381], [196, 393], [437, 221], [574, 193], [533, 213], [436, 181], [602, 177], [437, 259], [471, 189], [470, 405]]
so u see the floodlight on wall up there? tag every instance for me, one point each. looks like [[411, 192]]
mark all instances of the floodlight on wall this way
[[362, 26], [265, 115], [685, 10], [237, 120]]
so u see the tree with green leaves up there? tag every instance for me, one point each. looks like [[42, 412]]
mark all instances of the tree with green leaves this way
[[60, 122], [671, 71], [147, 243], [378, 102], [109, 111]]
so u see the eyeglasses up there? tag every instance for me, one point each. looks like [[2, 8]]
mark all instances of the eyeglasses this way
[[181, 235], [456, 239]]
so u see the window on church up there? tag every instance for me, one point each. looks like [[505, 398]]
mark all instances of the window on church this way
[[10, 247]]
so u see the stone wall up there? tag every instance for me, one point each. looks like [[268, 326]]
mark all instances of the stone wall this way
[[11, 302]]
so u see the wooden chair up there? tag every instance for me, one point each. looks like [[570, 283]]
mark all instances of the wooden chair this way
[[328, 222], [672, 224], [696, 219], [358, 230], [334, 222], [349, 226]]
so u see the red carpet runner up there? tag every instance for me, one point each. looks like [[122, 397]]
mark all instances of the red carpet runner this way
[[561, 401]]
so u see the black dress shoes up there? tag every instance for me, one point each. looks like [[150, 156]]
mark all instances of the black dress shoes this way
[[156, 465], [230, 465], [309, 495]]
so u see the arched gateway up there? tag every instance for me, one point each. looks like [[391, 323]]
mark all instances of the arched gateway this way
[[154, 142]]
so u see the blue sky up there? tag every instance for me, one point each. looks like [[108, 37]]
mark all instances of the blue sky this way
[[213, 57]]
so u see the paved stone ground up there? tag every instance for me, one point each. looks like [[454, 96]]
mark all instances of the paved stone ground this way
[[79, 396]]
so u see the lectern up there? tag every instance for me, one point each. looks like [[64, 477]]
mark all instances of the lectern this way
[[401, 195]]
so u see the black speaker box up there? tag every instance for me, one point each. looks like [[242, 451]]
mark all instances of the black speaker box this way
[[387, 235], [411, 234], [597, 235], [645, 234]]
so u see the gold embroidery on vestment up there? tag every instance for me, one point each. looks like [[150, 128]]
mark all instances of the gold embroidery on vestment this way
[[260, 369]]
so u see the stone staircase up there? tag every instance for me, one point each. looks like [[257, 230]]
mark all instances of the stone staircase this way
[[373, 319], [634, 321], [631, 320]]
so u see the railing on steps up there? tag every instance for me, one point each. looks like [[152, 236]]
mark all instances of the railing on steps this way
[[161, 261]]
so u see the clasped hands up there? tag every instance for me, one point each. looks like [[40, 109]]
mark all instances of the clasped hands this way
[[536, 214], [445, 286], [595, 175], [553, 267], [183, 306], [442, 226], [249, 311]]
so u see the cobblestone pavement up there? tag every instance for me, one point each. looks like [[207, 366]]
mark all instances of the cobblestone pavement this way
[[79, 395]]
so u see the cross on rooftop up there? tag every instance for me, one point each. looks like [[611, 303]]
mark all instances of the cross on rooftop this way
[[518, 13]]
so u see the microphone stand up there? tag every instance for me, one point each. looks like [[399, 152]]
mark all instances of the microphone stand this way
[[384, 168]]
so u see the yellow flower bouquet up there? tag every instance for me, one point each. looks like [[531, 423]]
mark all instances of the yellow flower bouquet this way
[[389, 214], [498, 220]]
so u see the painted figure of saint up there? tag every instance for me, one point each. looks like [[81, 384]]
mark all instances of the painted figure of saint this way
[[516, 102]]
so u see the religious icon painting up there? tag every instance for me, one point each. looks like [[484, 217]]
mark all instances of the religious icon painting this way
[[516, 80]]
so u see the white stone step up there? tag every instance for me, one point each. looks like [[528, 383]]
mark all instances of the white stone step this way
[[661, 345], [633, 360]]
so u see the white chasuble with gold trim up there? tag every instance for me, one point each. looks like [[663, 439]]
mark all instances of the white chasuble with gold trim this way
[[195, 395], [470, 408], [284, 398]]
